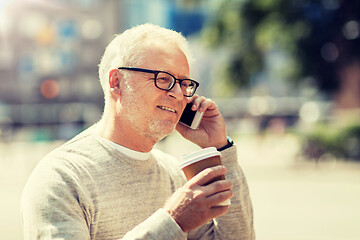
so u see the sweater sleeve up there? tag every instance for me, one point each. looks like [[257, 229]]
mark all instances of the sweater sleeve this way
[[159, 226], [55, 206], [238, 222]]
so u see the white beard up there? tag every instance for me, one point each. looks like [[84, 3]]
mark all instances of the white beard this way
[[152, 127]]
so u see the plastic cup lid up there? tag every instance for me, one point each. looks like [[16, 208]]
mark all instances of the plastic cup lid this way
[[191, 158]]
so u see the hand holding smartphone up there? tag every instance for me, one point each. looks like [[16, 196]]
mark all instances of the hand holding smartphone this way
[[191, 118]]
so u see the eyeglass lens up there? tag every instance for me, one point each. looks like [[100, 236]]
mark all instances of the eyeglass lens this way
[[167, 82]]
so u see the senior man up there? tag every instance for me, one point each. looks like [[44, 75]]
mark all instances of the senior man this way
[[109, 182]]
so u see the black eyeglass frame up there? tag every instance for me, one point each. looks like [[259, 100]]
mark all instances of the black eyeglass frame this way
[[156, 72]]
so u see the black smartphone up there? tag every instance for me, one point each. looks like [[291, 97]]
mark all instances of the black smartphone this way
[[191, 118]]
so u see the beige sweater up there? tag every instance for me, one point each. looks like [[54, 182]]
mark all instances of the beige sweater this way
[[86, 189]]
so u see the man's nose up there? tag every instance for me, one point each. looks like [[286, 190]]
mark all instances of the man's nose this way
[[176, 91]]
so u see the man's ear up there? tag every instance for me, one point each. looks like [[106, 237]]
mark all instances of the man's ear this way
[[114, 81]]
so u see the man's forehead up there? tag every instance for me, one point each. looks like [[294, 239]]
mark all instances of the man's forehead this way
[[168, 58]]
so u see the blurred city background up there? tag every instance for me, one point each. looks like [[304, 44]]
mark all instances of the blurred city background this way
[[285, 74]]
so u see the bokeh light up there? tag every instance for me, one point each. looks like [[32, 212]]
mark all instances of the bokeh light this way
[[260, 105], [91, 29], [31, 24], [49, 89], [351, 30], [309, 112]]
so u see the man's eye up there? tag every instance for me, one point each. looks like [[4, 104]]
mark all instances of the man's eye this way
[[187, 83], [184, 84], [164, 79]]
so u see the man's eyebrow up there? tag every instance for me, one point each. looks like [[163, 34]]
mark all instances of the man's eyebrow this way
[[178, 77]]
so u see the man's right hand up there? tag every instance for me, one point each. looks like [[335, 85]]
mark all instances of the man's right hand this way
[[195, 203]]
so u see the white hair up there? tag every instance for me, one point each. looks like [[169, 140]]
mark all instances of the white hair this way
[[125, 49]]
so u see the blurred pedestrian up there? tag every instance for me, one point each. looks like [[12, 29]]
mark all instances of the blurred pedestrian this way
[[109, 182]]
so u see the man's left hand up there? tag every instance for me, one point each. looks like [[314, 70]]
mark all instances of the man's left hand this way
[[212, 129]]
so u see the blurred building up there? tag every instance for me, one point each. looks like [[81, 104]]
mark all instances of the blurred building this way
[[50, 51]]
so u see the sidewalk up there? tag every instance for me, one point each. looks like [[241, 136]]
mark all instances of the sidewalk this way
[[303, 201]]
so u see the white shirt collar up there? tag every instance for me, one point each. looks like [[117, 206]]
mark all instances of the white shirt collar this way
[[143, 156]]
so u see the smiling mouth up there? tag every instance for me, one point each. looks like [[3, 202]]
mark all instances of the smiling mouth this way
[[167, 109]]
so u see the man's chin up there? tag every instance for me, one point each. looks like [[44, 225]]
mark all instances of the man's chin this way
[[162, 129], [167, 130]]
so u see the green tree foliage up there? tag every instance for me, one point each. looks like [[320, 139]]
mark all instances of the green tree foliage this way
[[318, 36]]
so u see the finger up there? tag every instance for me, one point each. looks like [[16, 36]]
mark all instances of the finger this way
[[197, 102], [218, 211], [217, 186], [219, 197], [191, 99], [206, 104], [208, 174]]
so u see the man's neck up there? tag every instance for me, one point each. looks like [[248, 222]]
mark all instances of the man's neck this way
[[114, 130]]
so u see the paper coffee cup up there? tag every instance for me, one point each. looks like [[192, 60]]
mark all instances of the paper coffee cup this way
[[193, 163]]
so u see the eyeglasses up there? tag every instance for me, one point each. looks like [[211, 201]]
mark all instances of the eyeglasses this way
[[166, 81]]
